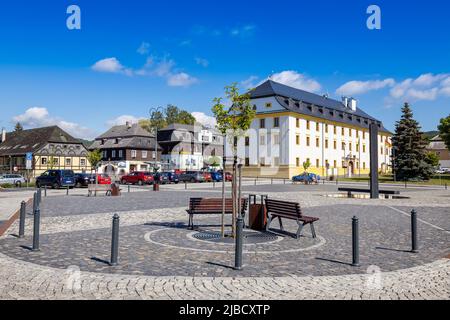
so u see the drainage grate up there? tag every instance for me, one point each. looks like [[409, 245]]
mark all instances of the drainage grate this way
[[250, 237]]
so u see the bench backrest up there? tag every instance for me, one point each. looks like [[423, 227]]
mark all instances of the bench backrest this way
[[284, 207], [214, 205], [99, 187]]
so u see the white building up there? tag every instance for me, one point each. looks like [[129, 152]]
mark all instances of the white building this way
[[293, 126]]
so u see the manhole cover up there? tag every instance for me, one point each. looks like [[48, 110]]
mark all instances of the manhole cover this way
[[250, 237]]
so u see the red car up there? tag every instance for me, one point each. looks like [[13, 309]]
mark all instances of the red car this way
[[207, 176], [103, 179], [139, 178], [228, 176]]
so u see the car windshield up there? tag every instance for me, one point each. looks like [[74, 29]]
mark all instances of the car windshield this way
[[67, 173]]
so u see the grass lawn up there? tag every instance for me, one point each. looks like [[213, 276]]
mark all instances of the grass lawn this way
[[436, 180]]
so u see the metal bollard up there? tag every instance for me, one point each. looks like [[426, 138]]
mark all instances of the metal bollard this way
[[446, 187], [45, 191], [255, 182], [34, 202], [355, 241], [271, 181], [39, 196], [415, 247], [239, 243], [284, 181], [67, 193], [36, 227], [214, 184], [115, 241], [406, 184], [23, 208], [128, 188], [185, 185]]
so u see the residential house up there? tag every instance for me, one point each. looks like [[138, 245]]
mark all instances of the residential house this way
[[50, 148], [437, 145]]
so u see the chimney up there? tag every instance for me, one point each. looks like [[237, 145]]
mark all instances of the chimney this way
[[352, 104], [345, 101], [3, 135], [128, 124]]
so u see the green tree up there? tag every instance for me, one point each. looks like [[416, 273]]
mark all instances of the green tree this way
[[94, 158], [18, 127], [233, 122], [409, 153], [170, 115], [432, 159], [444, 131], [306, 165]]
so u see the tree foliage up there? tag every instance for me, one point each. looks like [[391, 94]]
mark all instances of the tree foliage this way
[[306, 165], [235, 120], [18, 127], [444, 131], [170, 115], [409, 155], [432, 159], [94, 158]]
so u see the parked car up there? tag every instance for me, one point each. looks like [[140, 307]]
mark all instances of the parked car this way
[[56, 179], [306, 177], [192, 176], [138, 177], [161, 178], [173, 177], [207, 176], [12, 179], [228, 176], [443, 171], [84, 179], [216, 176], [103, 179]]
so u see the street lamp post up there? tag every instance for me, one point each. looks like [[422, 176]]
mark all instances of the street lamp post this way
[[152, 112]]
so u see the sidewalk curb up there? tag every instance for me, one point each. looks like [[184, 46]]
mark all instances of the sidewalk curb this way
[[7, 224]]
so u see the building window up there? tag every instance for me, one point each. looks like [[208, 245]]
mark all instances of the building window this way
[[343, 146], [297, 123], [247, 141], [276, 161], [308, 141], [317, 163], [317, 142], [350, 132], [317, 126], [276, 122], [357, 147], [308, 125], [113, 154], [335, 144], [262, 140], [83, 162], [120, 153], [68, 162], [364, 135], [44, 161], [357, 133], [335, 163], [144, 154], [276, 139], [262, 161], [297, 162], [105, 154], [247, 162], [262, 123], [326, 143], [297, 139], [382, 150], [335, 130], [350, 147], [326, 128], [133, 154], [364, 148], [364, 165], [343, 131], [268, 105]]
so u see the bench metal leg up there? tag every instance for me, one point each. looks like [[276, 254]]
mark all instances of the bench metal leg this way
[[269, 223], [299, 231], [313, 231], [281, 224], [191, 222]]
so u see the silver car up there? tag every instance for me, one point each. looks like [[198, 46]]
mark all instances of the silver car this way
[[13, 179]]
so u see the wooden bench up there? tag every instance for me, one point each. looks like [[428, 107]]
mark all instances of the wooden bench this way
[[359, 190], [94, 188], [206, 206], [291, 211]]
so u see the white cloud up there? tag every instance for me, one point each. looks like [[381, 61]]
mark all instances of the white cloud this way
[[123, 119], [204, 119], [250, 82], [202, 62], [297, 80], [111, 65], [243, 31], [164, 67], [425, 87], [39, 117], [359, 87], [144, 48], [180, 80]]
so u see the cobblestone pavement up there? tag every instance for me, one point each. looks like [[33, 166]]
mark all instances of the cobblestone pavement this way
[[160, 258]]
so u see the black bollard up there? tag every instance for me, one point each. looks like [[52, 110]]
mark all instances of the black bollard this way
[[34, 202], [415, 247], [255, 182], [23, 208], [239, 243], [355, 241], [67, 192], [39, 196], [115, 241], [271, 181], [45, 191], [36, 227], [185, 185], [128, 188]]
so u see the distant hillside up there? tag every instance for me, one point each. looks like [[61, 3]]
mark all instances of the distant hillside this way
[[430, 134], [86, 143]]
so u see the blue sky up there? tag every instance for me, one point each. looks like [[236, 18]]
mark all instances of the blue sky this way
[[132, 55]]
